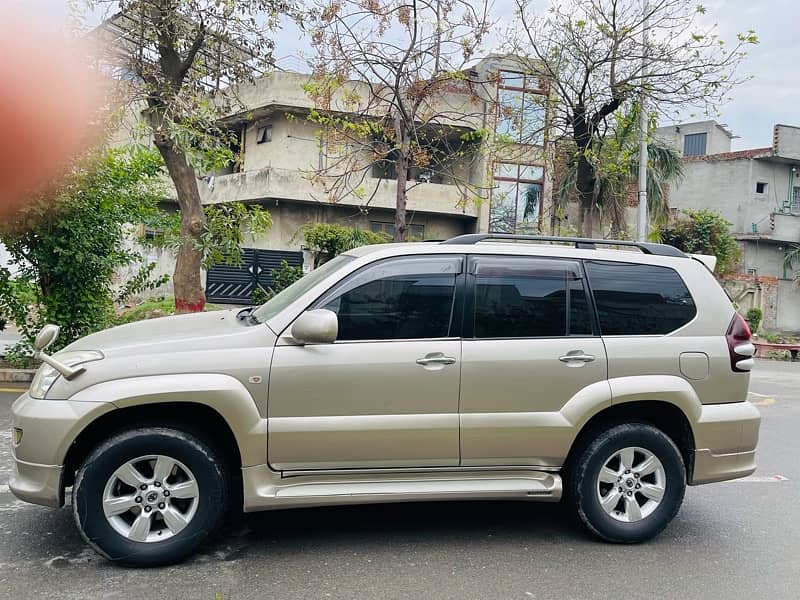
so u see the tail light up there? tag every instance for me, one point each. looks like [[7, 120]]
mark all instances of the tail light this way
[[739, 346]]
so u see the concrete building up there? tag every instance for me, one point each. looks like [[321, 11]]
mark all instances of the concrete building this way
[[758, 192], [281, 152]]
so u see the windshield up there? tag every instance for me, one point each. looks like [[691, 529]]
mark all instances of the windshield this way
[[284, 298]]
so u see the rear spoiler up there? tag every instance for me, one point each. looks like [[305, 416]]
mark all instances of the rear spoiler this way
[[708, 260]]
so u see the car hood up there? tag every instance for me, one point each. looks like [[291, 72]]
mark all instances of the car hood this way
[[181, 333], [212, 342]]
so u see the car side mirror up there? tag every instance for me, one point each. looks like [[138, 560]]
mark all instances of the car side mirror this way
[[318, 326], [46, 337]]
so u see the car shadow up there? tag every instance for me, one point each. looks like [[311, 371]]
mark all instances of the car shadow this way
[[401, 525]]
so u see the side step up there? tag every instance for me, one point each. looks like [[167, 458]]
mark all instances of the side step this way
[[317, 490]]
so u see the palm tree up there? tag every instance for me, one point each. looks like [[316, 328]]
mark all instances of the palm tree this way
[[791, 258], [617, 166]]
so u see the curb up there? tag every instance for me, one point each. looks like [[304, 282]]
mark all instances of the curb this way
[[16, 375]]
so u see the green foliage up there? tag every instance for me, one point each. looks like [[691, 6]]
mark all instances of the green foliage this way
[[17, 297], [753, 318], [221, 242], [327, 240], [282, 278], [616, 166], [141, 282], [68, 245], [151, 308], [259, 296], [227, 225], [791, 257], [704, 232]]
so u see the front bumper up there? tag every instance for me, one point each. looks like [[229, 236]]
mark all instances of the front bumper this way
[[49, 427], [726, 436], [37, 484]]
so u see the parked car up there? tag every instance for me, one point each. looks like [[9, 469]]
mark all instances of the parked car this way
[[477, 368]]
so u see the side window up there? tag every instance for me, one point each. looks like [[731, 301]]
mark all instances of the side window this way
[[634, 299], [517, 297], [402, 298]]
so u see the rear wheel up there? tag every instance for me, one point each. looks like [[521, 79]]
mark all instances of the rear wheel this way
[[628, 483], [150, 496]]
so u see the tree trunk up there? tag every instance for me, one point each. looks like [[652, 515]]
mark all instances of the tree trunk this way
[[584, 183], [187, 282], [401, 167]]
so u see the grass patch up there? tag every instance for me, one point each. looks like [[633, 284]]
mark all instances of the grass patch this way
[[153, 308]]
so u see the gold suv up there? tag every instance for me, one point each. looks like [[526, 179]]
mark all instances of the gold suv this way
[[476, 368]]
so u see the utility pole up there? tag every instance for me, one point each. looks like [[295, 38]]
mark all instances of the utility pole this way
[[643, 126]]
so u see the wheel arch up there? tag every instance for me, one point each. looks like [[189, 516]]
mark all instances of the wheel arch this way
[[195, 418], [216, 406], [664, 415]]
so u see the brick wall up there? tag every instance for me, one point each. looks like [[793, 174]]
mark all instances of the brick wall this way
[[760, 291]]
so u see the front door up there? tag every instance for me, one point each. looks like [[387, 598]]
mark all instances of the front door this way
[[385, 394], [529, 351]]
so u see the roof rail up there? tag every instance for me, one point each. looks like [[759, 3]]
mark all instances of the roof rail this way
[[583, 243]]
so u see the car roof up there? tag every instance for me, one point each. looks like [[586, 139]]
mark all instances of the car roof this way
[[558, 250]]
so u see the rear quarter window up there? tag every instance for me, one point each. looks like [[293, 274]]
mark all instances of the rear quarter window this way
[[636, 299]]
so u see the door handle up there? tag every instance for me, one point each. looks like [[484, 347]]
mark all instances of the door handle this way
[[576, 356], [437, 358]]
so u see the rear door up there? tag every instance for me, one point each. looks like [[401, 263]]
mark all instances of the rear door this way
[[530, 345]]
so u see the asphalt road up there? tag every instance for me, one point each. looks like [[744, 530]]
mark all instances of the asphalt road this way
[[730, 540]]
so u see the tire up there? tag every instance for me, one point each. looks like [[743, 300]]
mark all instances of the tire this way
[[185, 499], [590, 486]]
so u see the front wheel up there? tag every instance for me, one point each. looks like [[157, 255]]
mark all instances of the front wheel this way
[[628, 483], [150, 496]]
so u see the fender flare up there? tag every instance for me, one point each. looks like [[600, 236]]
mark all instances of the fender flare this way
[[222, 393], [663, 388]]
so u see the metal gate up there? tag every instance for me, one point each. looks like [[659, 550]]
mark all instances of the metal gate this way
[[234, 285]]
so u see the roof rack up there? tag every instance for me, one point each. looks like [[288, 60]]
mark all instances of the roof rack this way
[[582, 243]]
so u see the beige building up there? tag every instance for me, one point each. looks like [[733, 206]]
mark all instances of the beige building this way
[[494, 187], [758, 192]]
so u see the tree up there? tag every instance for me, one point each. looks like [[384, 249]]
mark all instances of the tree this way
[[791, 258], [391, 94], [178, 60], [67, 244], [593, 54], [617, 166], [327, 240], [703, 232], [226, 226]]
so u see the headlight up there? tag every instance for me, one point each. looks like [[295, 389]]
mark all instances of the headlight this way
[[47, 375]]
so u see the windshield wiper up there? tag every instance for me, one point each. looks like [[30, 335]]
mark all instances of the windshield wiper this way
[[245, 313]]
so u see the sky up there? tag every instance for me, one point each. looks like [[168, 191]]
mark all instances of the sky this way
[[771, 96]]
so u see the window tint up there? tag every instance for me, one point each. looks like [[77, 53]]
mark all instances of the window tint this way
[[636, 299], [522, 297], [407, 298]]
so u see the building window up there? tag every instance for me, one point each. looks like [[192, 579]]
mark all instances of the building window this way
[[415, 232], [761, 187], [795, 205], [520, 108], [694, 144], [516, 198], [752, 272], [439, 171], [264, 134]]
